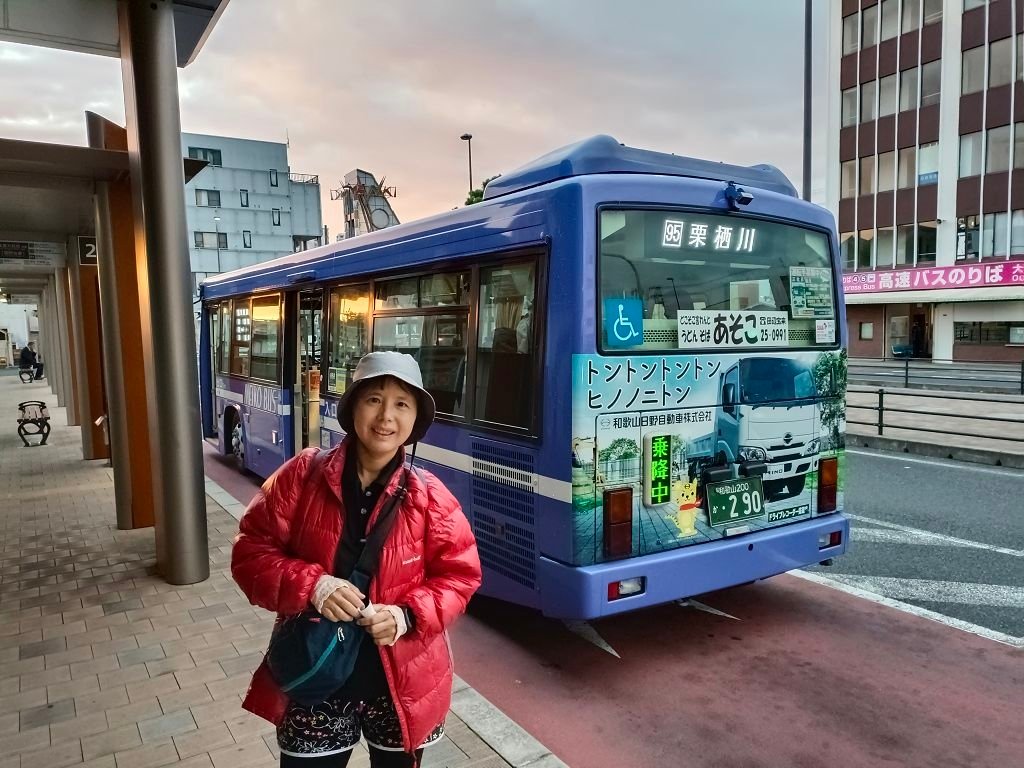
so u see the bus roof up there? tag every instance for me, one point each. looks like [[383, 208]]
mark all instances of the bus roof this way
[[604, 154]]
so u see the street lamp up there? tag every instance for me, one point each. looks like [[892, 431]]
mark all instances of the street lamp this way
[[468, 138]]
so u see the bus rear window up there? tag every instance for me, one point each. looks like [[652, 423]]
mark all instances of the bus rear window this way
[[689, 281]]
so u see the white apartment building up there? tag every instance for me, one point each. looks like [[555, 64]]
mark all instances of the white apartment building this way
[[246, 206]]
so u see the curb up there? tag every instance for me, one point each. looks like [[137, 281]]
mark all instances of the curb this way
[[496, 729], [936, 451]]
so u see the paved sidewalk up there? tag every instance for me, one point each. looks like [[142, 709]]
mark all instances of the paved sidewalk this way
[[980, 423], [104, 664]]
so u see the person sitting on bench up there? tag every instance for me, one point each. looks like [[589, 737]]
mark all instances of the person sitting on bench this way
[[28, 360]]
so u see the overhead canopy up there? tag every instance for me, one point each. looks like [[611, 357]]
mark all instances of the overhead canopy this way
[[46, 195], [90, 26]]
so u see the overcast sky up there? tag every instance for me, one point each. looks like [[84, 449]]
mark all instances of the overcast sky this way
[[390, 86]]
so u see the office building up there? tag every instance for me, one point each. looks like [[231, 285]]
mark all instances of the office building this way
[[925, 173], [247, 206]]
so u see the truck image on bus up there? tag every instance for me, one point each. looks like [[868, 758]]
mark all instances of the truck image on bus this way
[[638, 361], [768, 413]]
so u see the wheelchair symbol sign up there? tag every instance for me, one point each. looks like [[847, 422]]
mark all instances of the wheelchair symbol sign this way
[[623, 322]]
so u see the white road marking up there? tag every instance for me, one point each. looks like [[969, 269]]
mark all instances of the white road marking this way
[[591, 635], [958, 592], [902, 457], [885, 536], [965, 626], [706, 608], [952, 540]]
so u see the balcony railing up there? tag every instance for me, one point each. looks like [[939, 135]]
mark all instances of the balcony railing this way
[[303, 178]]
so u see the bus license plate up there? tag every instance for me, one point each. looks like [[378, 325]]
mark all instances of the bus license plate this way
[[731, 502]]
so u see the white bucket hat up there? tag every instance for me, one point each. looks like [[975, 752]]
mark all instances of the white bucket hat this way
[[404, 368]]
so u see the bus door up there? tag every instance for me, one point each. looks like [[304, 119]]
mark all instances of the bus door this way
[[309, 350]]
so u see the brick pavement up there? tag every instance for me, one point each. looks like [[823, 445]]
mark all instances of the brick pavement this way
[[102, 664]]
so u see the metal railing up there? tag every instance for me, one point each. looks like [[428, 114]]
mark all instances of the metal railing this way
[[884, 406], [303, 178], [960, 375]]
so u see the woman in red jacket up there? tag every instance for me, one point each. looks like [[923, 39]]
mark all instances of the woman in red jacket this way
[[304, 532]]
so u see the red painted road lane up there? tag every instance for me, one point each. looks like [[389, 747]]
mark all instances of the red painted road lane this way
[[809, 677], [224, 471]]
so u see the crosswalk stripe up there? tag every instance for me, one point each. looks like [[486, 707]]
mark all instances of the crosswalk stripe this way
[[953, 540], [960, 592]]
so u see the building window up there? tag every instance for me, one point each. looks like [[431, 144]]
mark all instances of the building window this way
[[907, 172], [1017, 234], [890, 18], [865, 244], [212, 156], [847, 249], [867, 331], [210, 239], [850, 34], [972, 77], [931, 82], [1018, 145], [911, 15], [848, 179], [908, 89], [867, 100], [246, 238], [994, 236], [1000, 61], [273, 177], [997, 333], [867, 175], [928, 164], [886, 244], [243, 198], [904, 244], [970, 154], [849, 107], [968, 238], [886, 171], [869, 27], [888, 96], [970, 5], [275, 216], [926, 242], [209, 198], [997, 153], [932, 11]]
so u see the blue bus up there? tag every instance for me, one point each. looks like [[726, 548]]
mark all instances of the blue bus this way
[[638, 361]]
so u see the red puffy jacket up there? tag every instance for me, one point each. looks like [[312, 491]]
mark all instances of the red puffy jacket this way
[[286, 542]]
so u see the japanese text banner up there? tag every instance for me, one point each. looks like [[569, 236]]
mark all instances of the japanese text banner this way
[[930, 278]]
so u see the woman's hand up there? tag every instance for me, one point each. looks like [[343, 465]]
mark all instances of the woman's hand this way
[[337, 599], [386, 625]]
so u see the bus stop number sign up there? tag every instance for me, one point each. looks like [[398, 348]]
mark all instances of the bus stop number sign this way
[[731, 502]]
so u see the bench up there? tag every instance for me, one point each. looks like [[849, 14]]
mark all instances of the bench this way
[[33, 419]]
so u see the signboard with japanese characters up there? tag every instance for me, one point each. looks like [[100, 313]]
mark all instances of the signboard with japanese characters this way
[[810, 292], [697, 235], [932, 278], [729, 329]]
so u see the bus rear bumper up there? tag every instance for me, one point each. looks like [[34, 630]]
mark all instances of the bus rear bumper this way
[[582, 592]]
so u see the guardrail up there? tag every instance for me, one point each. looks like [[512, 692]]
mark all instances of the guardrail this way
[[937, 374], [303, 178], [884, 406]]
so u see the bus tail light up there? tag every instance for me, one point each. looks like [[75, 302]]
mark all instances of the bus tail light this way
[[626, 587], [618, 522], [828, 484], [829, 540]]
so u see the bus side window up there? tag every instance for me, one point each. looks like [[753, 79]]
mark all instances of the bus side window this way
[[505, 363]]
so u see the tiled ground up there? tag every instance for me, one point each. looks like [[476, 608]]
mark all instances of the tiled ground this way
[[103, 664]]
